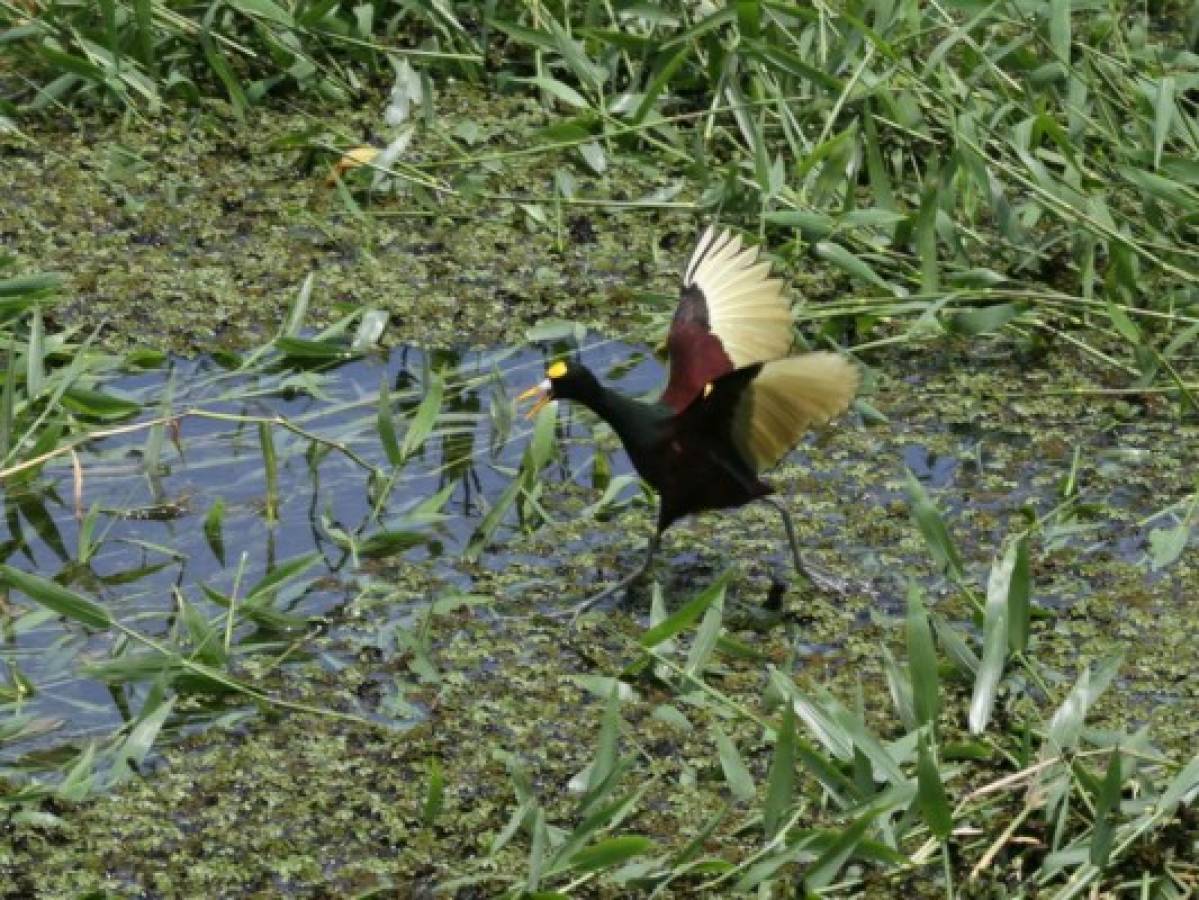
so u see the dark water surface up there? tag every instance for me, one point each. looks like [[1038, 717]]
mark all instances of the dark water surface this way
[[150, 527]]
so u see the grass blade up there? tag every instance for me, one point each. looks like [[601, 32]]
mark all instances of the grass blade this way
[[270, 471], [922, 661], [687, 613], [54, 596], [1163, 117], [425, 417], [736, 775], [385, 425], [995, 641], [1019, 591], [930, 794], [932, 526], [780, 782]]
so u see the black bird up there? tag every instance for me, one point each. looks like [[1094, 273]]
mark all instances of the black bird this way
[[735, 403]]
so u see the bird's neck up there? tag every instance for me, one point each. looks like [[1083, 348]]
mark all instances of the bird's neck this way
[[634, 421]]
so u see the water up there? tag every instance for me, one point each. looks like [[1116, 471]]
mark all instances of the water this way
[[151, 505], [158, 552]]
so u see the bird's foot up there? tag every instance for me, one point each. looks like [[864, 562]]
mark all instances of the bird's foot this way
[[820, 580], [579, 608]]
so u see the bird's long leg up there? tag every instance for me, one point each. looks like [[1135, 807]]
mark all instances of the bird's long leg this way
[[625, 582], [789, 526]]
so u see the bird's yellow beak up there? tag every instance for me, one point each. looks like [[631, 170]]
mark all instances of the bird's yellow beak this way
[[541, 392]]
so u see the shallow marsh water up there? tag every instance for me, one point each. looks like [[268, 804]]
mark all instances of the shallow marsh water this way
[[468, 677], [845, 486], [462, 676]]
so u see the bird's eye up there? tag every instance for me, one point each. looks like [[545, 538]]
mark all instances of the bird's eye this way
[[557, 370]]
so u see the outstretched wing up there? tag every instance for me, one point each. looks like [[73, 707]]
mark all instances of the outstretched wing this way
[[731, 314], [785, 399]]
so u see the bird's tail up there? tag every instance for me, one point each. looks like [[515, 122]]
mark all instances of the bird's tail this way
[[789, 396]]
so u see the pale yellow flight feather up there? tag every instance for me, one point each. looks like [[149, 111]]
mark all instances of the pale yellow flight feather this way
[[746, 307], [789, 396]]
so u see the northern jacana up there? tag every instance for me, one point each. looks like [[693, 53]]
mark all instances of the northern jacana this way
[[735, 403]]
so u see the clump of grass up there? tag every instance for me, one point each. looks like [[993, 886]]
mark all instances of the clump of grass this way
[[1034, 802], [143, 54]]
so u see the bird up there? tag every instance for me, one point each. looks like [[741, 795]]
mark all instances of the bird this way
[[735, 402]]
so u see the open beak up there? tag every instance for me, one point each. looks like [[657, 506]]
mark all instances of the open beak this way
[[541, 392]]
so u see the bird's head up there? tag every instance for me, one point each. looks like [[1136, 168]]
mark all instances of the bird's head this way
[[564, 380]]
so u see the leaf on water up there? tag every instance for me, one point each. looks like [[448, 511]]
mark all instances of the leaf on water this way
[[213, 529], [54, 596], [98, 404], [1166, 545]]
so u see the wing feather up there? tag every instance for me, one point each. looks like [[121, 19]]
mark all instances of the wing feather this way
[[731, 314], [786, 398]]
